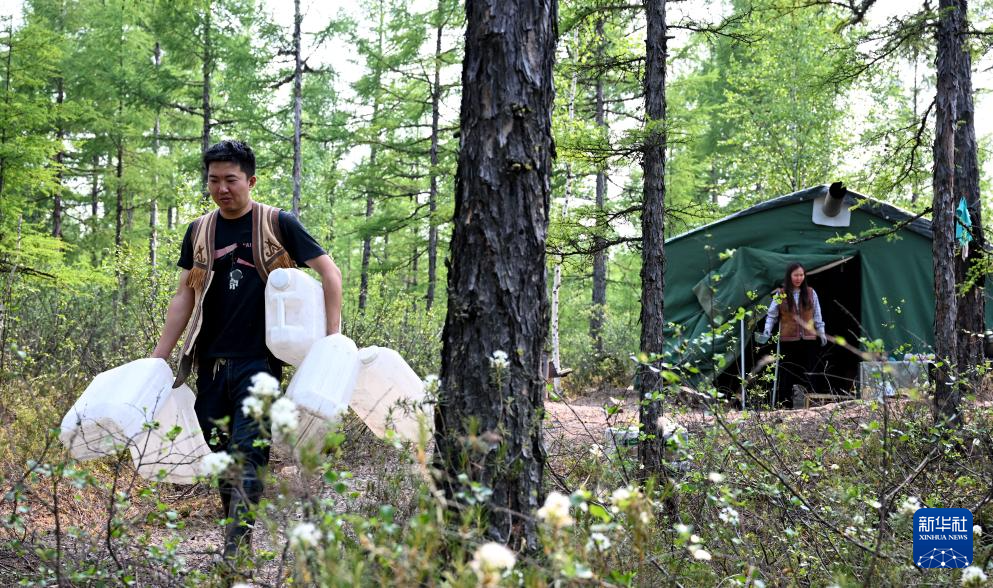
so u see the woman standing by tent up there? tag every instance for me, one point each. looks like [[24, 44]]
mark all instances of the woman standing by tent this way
[[801, 325]]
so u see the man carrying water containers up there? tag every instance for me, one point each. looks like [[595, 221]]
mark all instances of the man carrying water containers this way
[[226, 257]]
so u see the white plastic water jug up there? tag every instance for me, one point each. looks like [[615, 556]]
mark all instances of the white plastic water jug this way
[[175, 445], [113, 409], [294, 314], [389, 395], [322, 387]]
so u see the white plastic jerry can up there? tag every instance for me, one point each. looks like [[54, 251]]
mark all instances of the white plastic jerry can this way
[[389, 395], [294, 314], [323, 386], [173, 444], [114, 408]]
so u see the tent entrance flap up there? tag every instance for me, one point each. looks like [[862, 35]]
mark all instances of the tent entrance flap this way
[[748, 276]]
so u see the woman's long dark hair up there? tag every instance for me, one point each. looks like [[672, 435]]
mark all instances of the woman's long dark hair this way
[[805, 302]]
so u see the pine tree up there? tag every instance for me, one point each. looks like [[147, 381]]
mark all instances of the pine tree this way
[[490, 410]]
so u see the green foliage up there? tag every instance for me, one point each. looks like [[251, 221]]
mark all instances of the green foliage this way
[[396, 318]]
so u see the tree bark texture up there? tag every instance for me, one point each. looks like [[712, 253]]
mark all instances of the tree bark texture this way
[[650, 451], [971, 303], [297, 108], [489, 419], [946, 395], [599, 242]]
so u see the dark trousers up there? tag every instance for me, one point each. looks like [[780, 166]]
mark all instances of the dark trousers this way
[[222, 386], [798, 361]]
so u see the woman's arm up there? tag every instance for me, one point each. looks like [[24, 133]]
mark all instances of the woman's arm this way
[[772, 316], [818, 317]]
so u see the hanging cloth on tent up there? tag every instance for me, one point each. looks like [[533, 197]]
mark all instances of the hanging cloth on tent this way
[[963, 227]]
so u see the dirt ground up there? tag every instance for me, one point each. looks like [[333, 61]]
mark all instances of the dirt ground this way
[[379, 476]]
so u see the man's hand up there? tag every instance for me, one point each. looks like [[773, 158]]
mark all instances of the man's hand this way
[[331, 282], [823, 338]]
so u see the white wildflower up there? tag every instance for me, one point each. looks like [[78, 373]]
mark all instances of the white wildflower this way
[[499, 360], [715, 477], [851, 531], [695, 539], [973, 576], [758, 583], [305, 536], [977, 530], [490, 561], [264, 384], [835, 466], [215, 464], [909, 506], [682, 529], [284, 416], [555, 512], [729, 515], [241, 585], [701, 554], [875, 504], [253, 406], [621, 496], [599, 541]]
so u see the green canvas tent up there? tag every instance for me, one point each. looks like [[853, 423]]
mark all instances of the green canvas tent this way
[[870, 289]]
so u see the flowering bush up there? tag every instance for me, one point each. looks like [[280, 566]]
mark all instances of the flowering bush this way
[[491, 561], [215, 464]]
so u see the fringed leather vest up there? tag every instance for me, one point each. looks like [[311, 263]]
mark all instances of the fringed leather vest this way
[[793, 327], [267, 251]]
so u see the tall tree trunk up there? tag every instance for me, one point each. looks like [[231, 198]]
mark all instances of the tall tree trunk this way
[[119, 192], [95, 189], [557, 275], [600, 253], [207, 70], [650, 451], [297, 108], [489, 418], [971, 303], [367, 240], [946, 395], [6, 103], [433, 188], [122, 278], [153, 213], [915, 188], [60, 134], [172, 217]]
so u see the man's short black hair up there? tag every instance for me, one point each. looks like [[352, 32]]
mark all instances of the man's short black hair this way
[[233, 151]]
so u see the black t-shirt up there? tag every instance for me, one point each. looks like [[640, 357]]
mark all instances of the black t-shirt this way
[[234, 308]]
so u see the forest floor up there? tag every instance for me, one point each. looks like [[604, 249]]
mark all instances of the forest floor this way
[[380, 476]]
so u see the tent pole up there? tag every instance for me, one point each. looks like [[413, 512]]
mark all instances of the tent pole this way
[[775, 377], [742, 363]]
